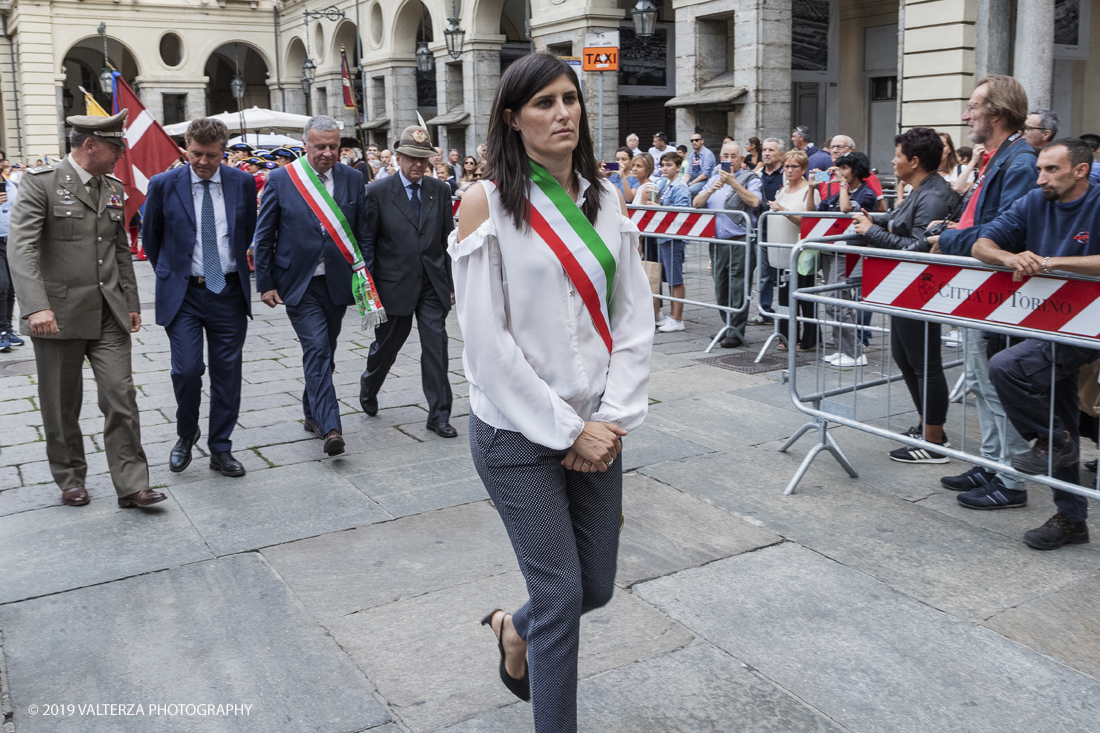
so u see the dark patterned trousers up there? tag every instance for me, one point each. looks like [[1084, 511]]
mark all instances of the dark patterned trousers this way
[[564, 528]]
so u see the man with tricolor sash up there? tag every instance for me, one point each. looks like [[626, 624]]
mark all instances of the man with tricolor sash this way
[[312, 219]]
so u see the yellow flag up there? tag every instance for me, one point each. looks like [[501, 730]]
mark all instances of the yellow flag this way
[[91, 107]]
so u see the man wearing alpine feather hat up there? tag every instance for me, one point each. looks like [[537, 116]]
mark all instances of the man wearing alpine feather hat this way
[[409, 218], [70, 261]]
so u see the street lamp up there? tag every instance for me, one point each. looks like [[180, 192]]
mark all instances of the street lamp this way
[[454, 34], [236, 87], [424, 58], [106, 76], [309, 70], [644, 13]]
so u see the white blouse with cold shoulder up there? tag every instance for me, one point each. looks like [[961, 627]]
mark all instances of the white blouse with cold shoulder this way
[[534, 359]]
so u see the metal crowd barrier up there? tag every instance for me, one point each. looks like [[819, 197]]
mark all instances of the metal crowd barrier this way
[[896, 290]]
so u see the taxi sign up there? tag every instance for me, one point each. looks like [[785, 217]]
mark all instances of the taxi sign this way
[[601, 58]]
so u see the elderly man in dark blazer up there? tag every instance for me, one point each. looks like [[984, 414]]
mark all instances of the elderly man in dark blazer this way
[[198, 226], [409, 218], [300, 265]]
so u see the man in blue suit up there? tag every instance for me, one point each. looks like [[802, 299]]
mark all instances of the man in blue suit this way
[[199, 222], [996, 114], [299, 265]]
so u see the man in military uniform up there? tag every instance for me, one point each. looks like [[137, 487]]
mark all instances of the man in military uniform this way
[[78, 299]]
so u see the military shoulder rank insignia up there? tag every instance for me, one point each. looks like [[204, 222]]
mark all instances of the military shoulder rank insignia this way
[[114, 202]]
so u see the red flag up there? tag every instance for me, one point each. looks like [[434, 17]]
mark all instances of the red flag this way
[[149, 148], [349, 95]]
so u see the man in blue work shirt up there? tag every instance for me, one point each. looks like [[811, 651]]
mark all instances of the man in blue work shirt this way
[[700, 164], [996, 114], [1049, 229]]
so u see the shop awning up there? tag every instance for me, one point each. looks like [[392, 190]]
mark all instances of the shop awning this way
[[375, 124], [455, 117], [719, 93]]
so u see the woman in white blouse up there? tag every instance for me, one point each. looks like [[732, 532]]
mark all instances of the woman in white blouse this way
[[557, 320]]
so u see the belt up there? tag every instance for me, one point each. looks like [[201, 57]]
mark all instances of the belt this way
[[200, 281]]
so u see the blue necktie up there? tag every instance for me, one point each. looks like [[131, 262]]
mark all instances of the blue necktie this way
[[211, 259], [415, 200]]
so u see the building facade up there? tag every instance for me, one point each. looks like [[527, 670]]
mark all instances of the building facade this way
[[865, 68]]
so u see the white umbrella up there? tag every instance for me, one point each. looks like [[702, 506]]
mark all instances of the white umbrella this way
[[266, 140], [254, 119]]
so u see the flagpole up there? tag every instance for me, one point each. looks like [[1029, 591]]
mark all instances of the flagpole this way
[[354, 102]]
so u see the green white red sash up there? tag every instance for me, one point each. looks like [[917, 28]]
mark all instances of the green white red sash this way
[[332, 219], [587, 261]]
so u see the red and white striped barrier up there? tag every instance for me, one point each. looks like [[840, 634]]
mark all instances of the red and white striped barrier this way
[[821, 227], [1042, 303], [674, 224], [454, 206]]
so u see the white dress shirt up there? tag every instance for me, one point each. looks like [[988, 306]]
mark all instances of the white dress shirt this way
[[407, 183], [221, 223], [534, 359], [330, 186]]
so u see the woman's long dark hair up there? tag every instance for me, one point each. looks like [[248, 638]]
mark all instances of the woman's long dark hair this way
[[508, 165]]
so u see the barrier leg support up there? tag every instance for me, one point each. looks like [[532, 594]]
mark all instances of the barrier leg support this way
[[958, 392], [776, 335], [826, 442]]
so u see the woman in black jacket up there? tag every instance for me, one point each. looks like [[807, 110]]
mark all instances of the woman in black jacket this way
[[917, 157]]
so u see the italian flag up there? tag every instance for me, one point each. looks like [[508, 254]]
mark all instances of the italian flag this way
[[332, 219], [587, 261]]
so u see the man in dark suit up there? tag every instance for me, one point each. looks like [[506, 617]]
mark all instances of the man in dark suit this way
[[409, 218], [199, 222], [298, 263]]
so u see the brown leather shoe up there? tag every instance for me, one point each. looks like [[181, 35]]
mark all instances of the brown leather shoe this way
[[143, 498], [77, 496], [311, 427], [334, 443]]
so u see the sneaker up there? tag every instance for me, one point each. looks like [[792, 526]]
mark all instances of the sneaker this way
[[671, 325], [994, 495], [833, 357], [663, 320], [1091, 465], [13, 338], [952, 338], [973, 479], [1035, 461], [915, 431], [846, 361], [914, 454], [760, 321], [1057, 532], [5, 345]]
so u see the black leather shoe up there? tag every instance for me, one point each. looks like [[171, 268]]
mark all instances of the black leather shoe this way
[[224, 462], [731, 342], [368, 399], [443, 429], [311, 427], [181, 453]]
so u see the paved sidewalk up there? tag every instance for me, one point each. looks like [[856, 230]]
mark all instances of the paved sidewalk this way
[[344, 594]]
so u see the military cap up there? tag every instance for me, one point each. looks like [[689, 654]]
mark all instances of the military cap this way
[[264, 155], [270, 165], [241, 147], [297, 149], [255, 161], [1092, 140], [111, 129], [350, 142], [284, 153], [415, 143]]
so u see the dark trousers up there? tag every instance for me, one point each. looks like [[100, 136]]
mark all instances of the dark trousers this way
[[1025, 375], [728, 269], [7, 290], [907, 344], [389, 337], [317, 321], [564, 528], [224, 319], [806, 331]]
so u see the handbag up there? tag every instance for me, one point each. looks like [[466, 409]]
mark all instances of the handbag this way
[[653, 272]]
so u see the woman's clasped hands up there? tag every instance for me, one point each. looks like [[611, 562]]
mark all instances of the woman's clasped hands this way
[[595, 449]]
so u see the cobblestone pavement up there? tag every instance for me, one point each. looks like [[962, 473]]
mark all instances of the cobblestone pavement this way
[[344, 594]]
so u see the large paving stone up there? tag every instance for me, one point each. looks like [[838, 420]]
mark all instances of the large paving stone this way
[[869, 658], [943, 561], [1063, 625], [667, 530], [646, 446], [274, 506], [392, 644], [222, 632], [63, 547], [722, 421], [694, 690], [417, 478], [343, 572], [699, 379]]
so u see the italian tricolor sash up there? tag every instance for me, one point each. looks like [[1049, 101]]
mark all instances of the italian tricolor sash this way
[[558, 220], [332, 219]]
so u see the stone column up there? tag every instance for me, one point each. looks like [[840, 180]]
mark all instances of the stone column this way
[[480, 77], [1033, 64], [993, 45], [32, 26], [401, 101]]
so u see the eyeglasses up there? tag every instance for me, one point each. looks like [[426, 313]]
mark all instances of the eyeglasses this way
[[697, 139], [841, 147], [792, 167], [1029, 128]]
